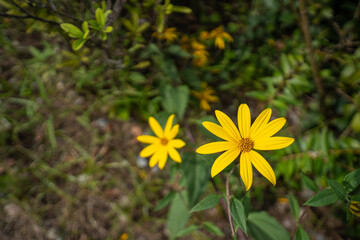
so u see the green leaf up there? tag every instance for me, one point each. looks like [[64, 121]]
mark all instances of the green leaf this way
[[294, 206], [337, 188], [207, 202], [176, 99], [108, 29], [322, 198], [77, 44], [301, 234], [309, 183], [211, 227], [262, 226], [165, 201], [238, 213], [196, 171], [51, 132], [85, 26], [352, 180], [72, 30], [285, 65], [94, 25], [186, 231], [143, 27], [181, 9], [100, 18], [177, 216]]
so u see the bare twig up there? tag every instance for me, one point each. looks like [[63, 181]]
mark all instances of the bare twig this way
[[27, 15], [304, 23]]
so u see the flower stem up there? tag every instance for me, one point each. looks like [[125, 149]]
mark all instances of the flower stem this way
[[228, 202]]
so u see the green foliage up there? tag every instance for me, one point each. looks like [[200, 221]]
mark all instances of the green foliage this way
[[322, 198], [294, 206], [262, 226], [207, 202], [238, 213]]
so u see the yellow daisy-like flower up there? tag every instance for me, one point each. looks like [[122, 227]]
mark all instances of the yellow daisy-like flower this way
[[241, 141], [163, 144], [169, 34], [205, 96], [355, 208], [199, 52], [219, 35]]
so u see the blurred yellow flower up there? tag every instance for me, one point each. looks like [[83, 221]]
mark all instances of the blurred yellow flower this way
[[241, 141], [200, 53], [169, 34], [355, 208], [163, 144], [219, 35], [124, 236], [205, 96]]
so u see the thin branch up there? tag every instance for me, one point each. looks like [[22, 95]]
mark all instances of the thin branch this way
[[304, 23], [27, 15], [228, 202]]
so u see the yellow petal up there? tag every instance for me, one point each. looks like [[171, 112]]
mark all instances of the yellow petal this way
[[154, 159], [271, 128], [260, 123], [262, 166], [162, 157], [155, 126], [227, 124], [174, 154], [147, 139], [149, 150], [212, 98], [218, 131], [244, 120], [205, 105], [176, 143], [227, 37], [215, 147], [224, 160], [174, 131], [219, 42], [273, 143], [168, 125], [246, 172]]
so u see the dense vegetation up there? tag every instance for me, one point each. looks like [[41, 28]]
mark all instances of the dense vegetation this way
[[80, 79]]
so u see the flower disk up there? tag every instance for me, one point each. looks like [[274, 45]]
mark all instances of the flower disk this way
[[163, 144], [242, 140]]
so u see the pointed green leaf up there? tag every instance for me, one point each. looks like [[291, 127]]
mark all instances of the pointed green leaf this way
[[108, 29], [186, 231], [85, 26], [294, 206], [165, 201], [181, 9], [72, 30], [211, 227], [323, 198], [77, 44], [143, 27], [301, 234], [263, 226], [337, 188], [100, 18], [207, 202], [238, 213], [352, 180], [309, 183]]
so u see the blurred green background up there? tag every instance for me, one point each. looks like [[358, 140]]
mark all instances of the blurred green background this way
[[74, 97]]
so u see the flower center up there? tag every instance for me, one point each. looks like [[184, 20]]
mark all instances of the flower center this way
[[164, 141], [246, 144]]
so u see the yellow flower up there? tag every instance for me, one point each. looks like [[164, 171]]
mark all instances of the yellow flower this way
[[355, 208], [124, 236], [199, 52], [241, 141], [163, 144], [205, 96], [219, 35], [169, 34]]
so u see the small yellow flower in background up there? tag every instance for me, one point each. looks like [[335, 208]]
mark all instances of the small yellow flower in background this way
[[219, 35], [241, 141], [205, 96], [200, 53], [198, 50], [169, 34], [124, 236], [355, 208], [163, 144]]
